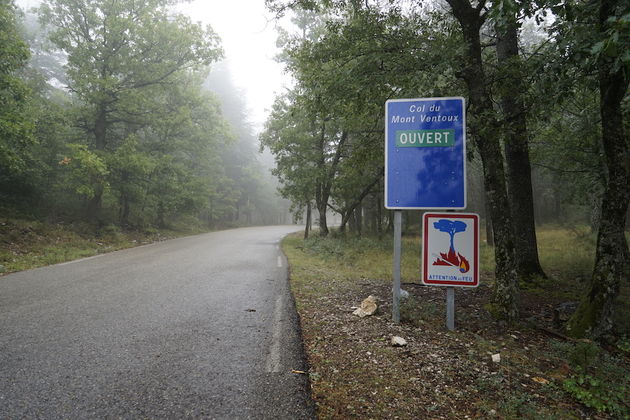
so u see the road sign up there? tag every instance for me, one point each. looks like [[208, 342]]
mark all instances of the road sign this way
[[425, 151], [450, 249]]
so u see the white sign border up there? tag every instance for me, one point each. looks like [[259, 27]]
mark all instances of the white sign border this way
[[463, 145], [425, 260]]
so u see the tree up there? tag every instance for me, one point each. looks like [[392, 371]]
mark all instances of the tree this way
[[307, 149], [612, 259], [16, 128], [348, 67], [484, 125], [513, 89], [119, 55]]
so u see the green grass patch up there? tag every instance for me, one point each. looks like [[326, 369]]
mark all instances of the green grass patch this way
[[354, 258], [27, 244], [567, 254]]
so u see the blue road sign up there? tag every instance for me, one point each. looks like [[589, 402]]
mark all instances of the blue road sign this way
[[425, 154]]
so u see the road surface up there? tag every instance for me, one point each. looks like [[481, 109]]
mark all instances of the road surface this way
[[197, 327]]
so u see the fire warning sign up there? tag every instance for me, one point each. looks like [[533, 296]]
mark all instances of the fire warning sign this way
[[450, 249]]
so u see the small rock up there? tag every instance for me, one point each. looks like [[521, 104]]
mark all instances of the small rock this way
[[398, 341], [492, 412], [403, 293], [496, 358], [368, 307], [2, 269]]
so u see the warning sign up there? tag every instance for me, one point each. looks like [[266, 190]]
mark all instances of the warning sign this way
[[450, 250]]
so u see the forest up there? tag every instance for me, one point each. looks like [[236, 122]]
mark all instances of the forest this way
[[112, 117], [545, 84], [118, 115]]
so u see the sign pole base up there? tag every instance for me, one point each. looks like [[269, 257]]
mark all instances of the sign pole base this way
[[450, 308]]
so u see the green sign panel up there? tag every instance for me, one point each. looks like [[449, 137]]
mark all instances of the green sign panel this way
[[425, 138]]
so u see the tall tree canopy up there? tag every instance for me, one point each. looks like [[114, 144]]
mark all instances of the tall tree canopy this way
[[15, 125], [121, 57]]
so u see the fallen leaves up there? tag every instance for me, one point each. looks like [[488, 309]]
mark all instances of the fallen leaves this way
[[540, 380]]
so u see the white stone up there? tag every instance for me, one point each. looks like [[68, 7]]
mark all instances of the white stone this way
[[398, 341]]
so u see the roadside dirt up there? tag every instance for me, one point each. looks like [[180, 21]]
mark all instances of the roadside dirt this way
[[481, 370]]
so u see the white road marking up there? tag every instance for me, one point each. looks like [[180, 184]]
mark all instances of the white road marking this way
[[279, 261], [273, 360]]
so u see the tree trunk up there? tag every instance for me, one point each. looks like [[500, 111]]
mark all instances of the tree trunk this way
[[323, 224], [348, 210], [308, 220], [519, 171], [484, 128], [161, 214], [123, 213], [593, 317], [358, 218], [352, 222], [93, 210], [326, 178], [488, 219]]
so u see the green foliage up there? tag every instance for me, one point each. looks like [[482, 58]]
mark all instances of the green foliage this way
[[15, 124], [600, 380], [87, 172], [137, 140], [624, 345], [326, 134], [583, 355], [138, 100], [599, 394]]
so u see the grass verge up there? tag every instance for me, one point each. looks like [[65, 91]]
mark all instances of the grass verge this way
[[356, 373], [28, 244]]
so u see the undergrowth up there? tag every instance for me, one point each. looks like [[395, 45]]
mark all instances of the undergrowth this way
[[599, 379], [26, 244]]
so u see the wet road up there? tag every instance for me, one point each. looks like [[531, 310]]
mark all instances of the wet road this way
[[197, 327]]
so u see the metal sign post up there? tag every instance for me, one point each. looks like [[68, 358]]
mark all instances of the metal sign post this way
[[397, 253], [450, 308]]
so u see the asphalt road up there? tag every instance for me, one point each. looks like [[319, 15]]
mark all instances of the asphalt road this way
[[197, 327]]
